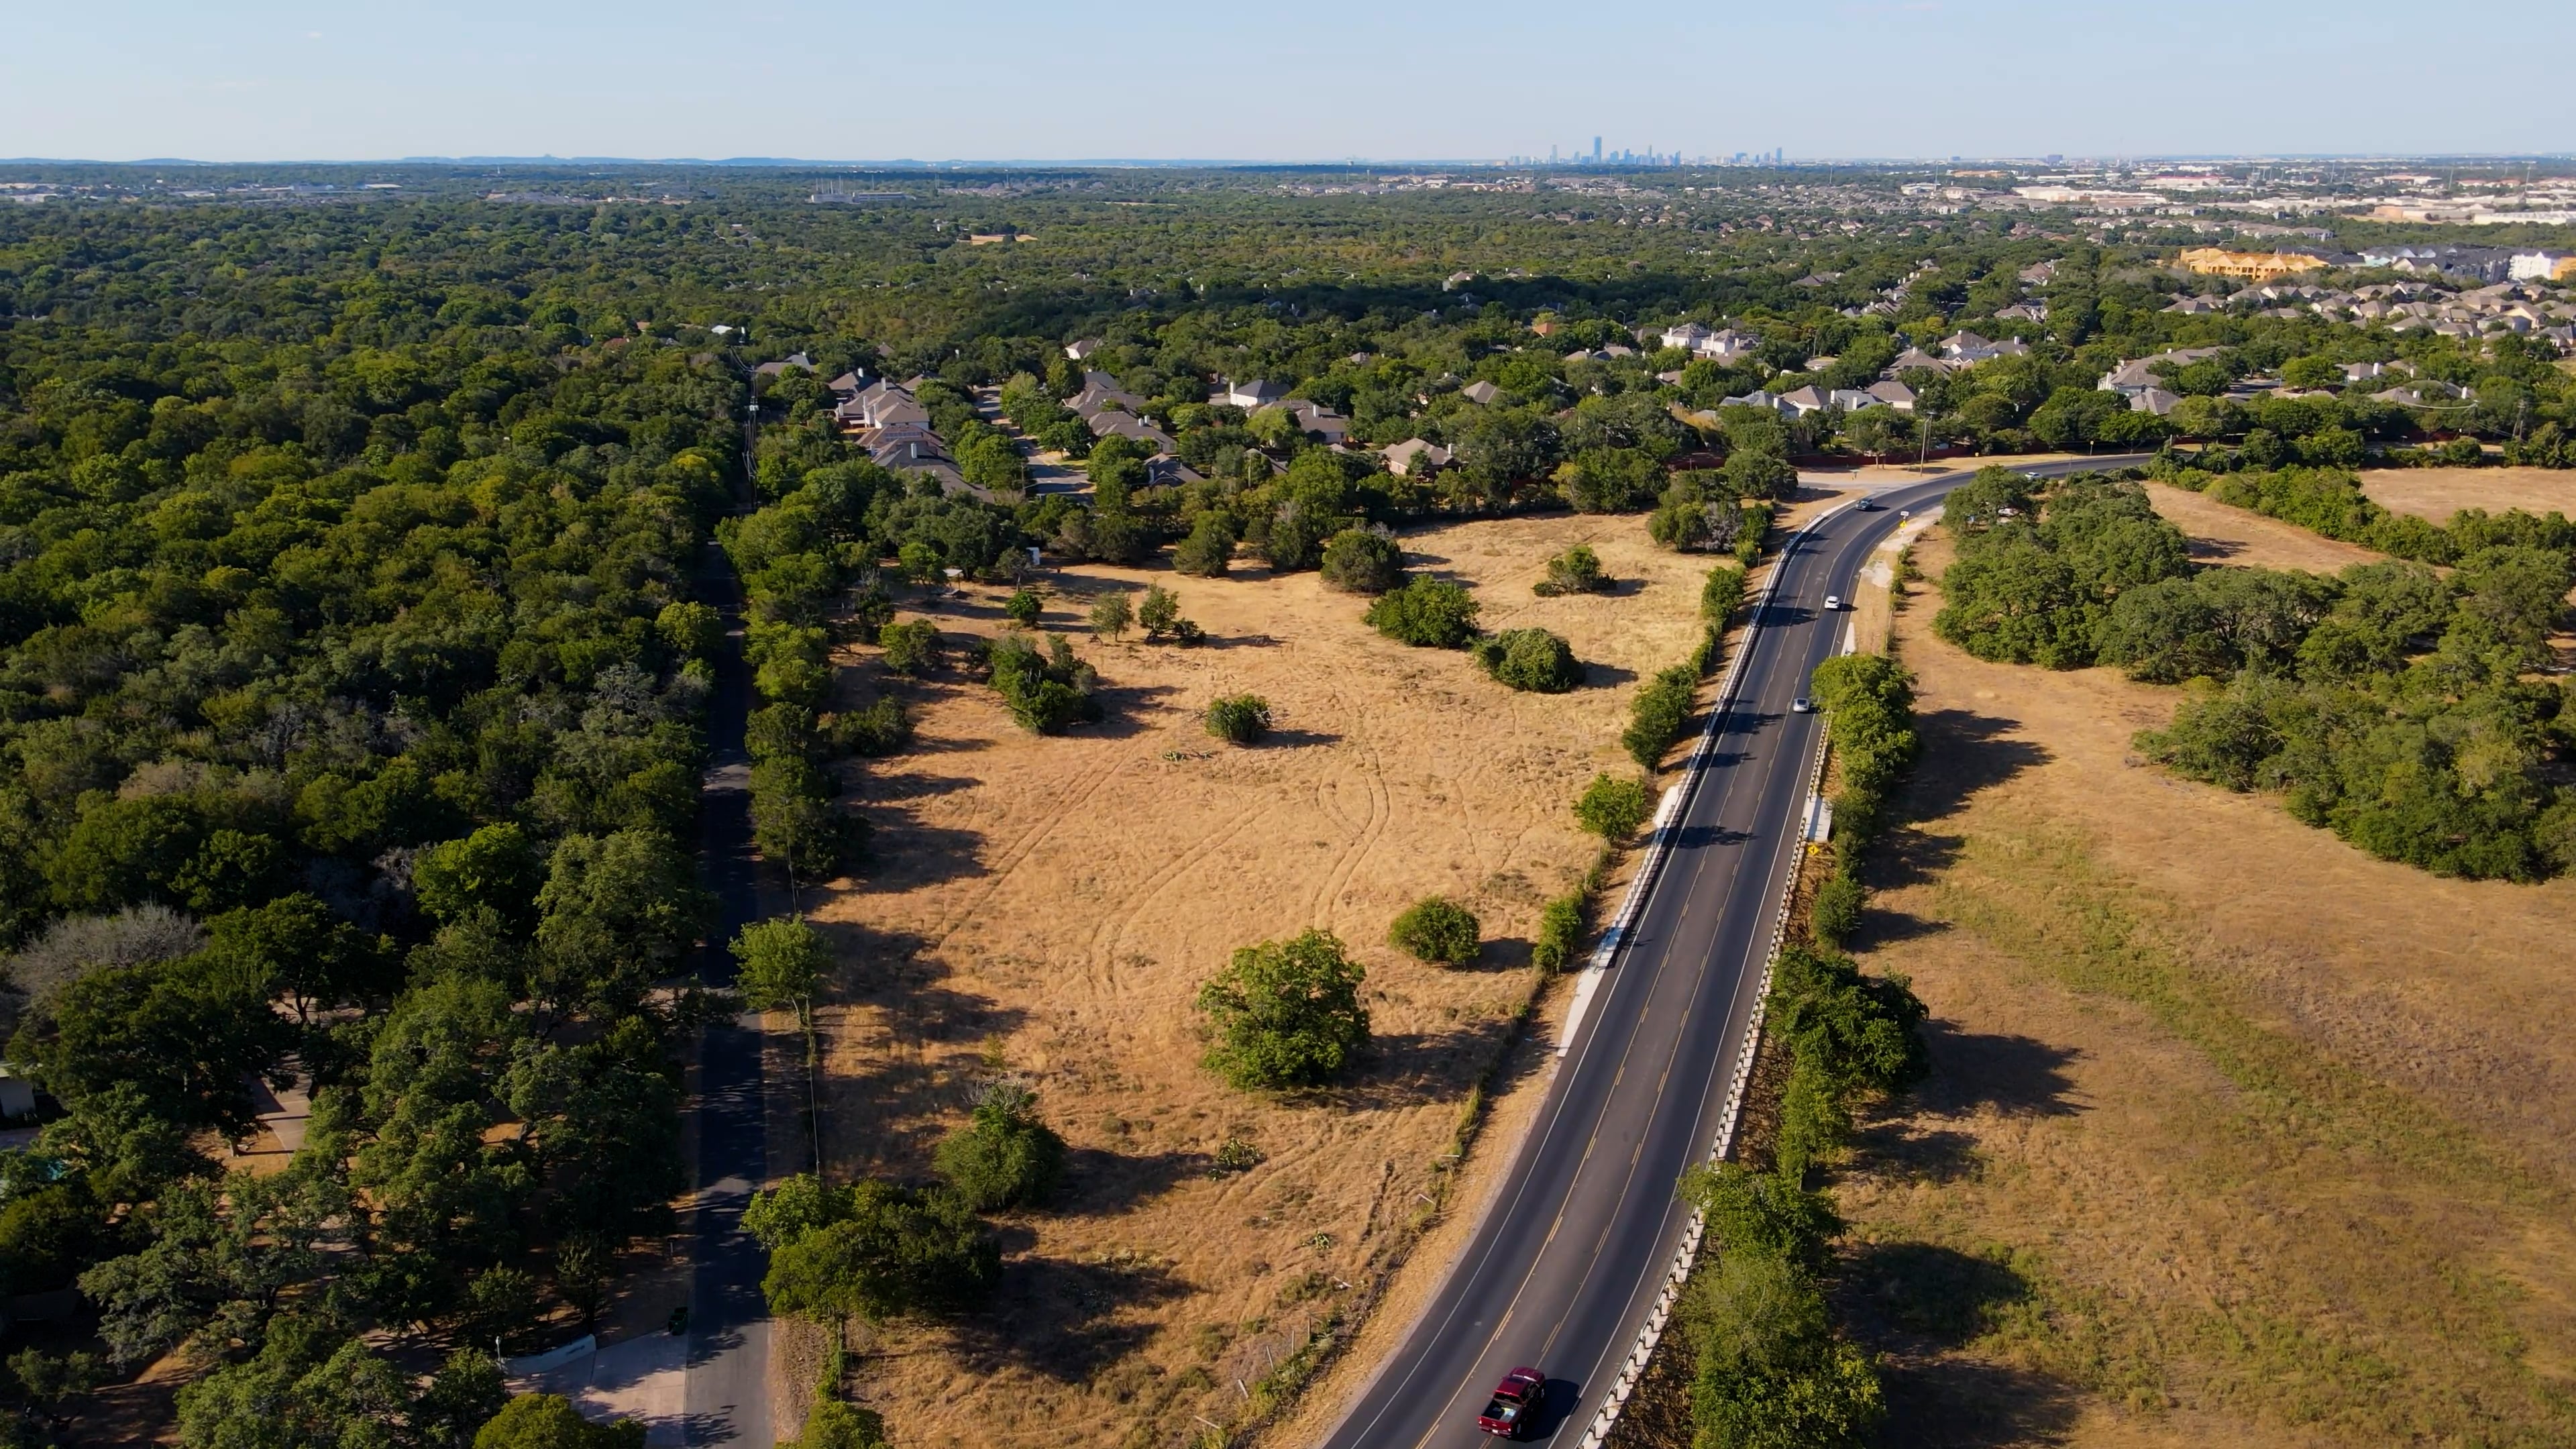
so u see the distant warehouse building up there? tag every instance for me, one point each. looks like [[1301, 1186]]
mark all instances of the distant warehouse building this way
[[2543, 267], [2257, 266]]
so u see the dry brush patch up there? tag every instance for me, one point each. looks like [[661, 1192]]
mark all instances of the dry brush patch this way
[[1048, 907], [2235, 1134], [2437, 493]]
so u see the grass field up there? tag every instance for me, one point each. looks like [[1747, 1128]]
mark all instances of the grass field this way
[[2236, 1135], [2437, 493], [1047, 907]]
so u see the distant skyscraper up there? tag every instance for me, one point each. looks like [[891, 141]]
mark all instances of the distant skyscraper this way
[[1596, 150]]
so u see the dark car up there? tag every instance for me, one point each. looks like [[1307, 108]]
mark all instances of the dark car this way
[[1514, 1405]]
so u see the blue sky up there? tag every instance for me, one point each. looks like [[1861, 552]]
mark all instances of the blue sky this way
[[257, 80]]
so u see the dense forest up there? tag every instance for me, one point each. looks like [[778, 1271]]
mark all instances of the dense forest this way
[[355, 650]]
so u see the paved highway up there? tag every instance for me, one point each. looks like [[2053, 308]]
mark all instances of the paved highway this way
[[1565, 1266]]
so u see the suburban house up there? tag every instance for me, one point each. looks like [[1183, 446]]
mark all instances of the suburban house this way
[[2024, 312], [1414, 456], [2365, 371], [1081, 348], [1893, 393], [2153, 400], [847, 385], [1101, 391], [1318, 421], [1480, 393], [1914, 357], [2132, 378], [1109, 422], [1247, 395], [2424, 394], [1968, 347], [793, 359], [2542, 267]]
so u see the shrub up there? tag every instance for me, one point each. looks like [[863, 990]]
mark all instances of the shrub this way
[[1656, 716], [1023, 608], [887, 1252], [1428, 613], [880, 729], [1235, 1154], [1238, 719], [1560, 933], [1111, 614], [1363, 561], [910, 649], [1722, 595], [1004, 1156], [1836, 912], [1575, 571], [1047, 693], [1438, 929], [1208, 548], [1529, 659], [1158, 611], [1286, 1013], [1612, 808]]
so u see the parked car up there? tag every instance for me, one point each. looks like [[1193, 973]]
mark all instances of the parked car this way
[[1514, 1406]]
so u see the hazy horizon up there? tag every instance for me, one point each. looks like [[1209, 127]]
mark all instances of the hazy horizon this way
[[1164, 83]]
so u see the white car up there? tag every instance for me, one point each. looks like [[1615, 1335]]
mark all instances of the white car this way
[[1833, 602], [1802, 705]]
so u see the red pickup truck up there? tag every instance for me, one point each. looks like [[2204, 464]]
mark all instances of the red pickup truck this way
[[1515, 1403]]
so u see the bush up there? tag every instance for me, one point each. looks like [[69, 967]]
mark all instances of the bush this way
[[1612, 808], [1286, 1014], [1836, 912], [1529, 659], [1238, 719], [1159, 612], [910, 649], [1111, 614], [1560, 933], [1004, 1156], [1722, 595], [1208, 548], [1428, 613], [1363, 561], [1023, 608], [1047, 693], [1575, 571], [1656, 716], [1438, 929], [887, 1252], [879, 730]]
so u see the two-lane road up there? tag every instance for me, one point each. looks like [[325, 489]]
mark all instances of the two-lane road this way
[[1565, 1266]]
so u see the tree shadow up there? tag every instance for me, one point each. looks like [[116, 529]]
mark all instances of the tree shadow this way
[[911, 1047], [1404, 1069], [1963, 753], [1936, 1296], [1295, 739], [1102, 1183], [1129, 709], [1239, 641], [1897, 1148], [2019, 1076], [2212, 548], [902, 852], [890, 787], [1701, 837], [1064, 1319], [1607, 676], [1879, 928]]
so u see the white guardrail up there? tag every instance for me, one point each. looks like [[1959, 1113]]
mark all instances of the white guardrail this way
[[1632, 1369]]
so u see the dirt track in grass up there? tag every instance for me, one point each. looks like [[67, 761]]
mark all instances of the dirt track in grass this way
[[1048, 907]]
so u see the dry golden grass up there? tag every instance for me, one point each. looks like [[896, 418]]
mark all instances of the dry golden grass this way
[[1048, 907], [2437, 493], [2228, 535], [2236, 1135]]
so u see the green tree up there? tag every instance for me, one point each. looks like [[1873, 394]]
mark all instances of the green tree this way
[[1111, 615], [1363, 561], [893, 1252], [1575, 571], [1529, 659], [782, 962], [1208, 548], [1240, 719], [1159, 612], [1612, 808], [1285, 1013], [911, 648], [1024, 608], [496, 868], [1438, 929], [549, 1421], [1004, 1156], [1428, 613]]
